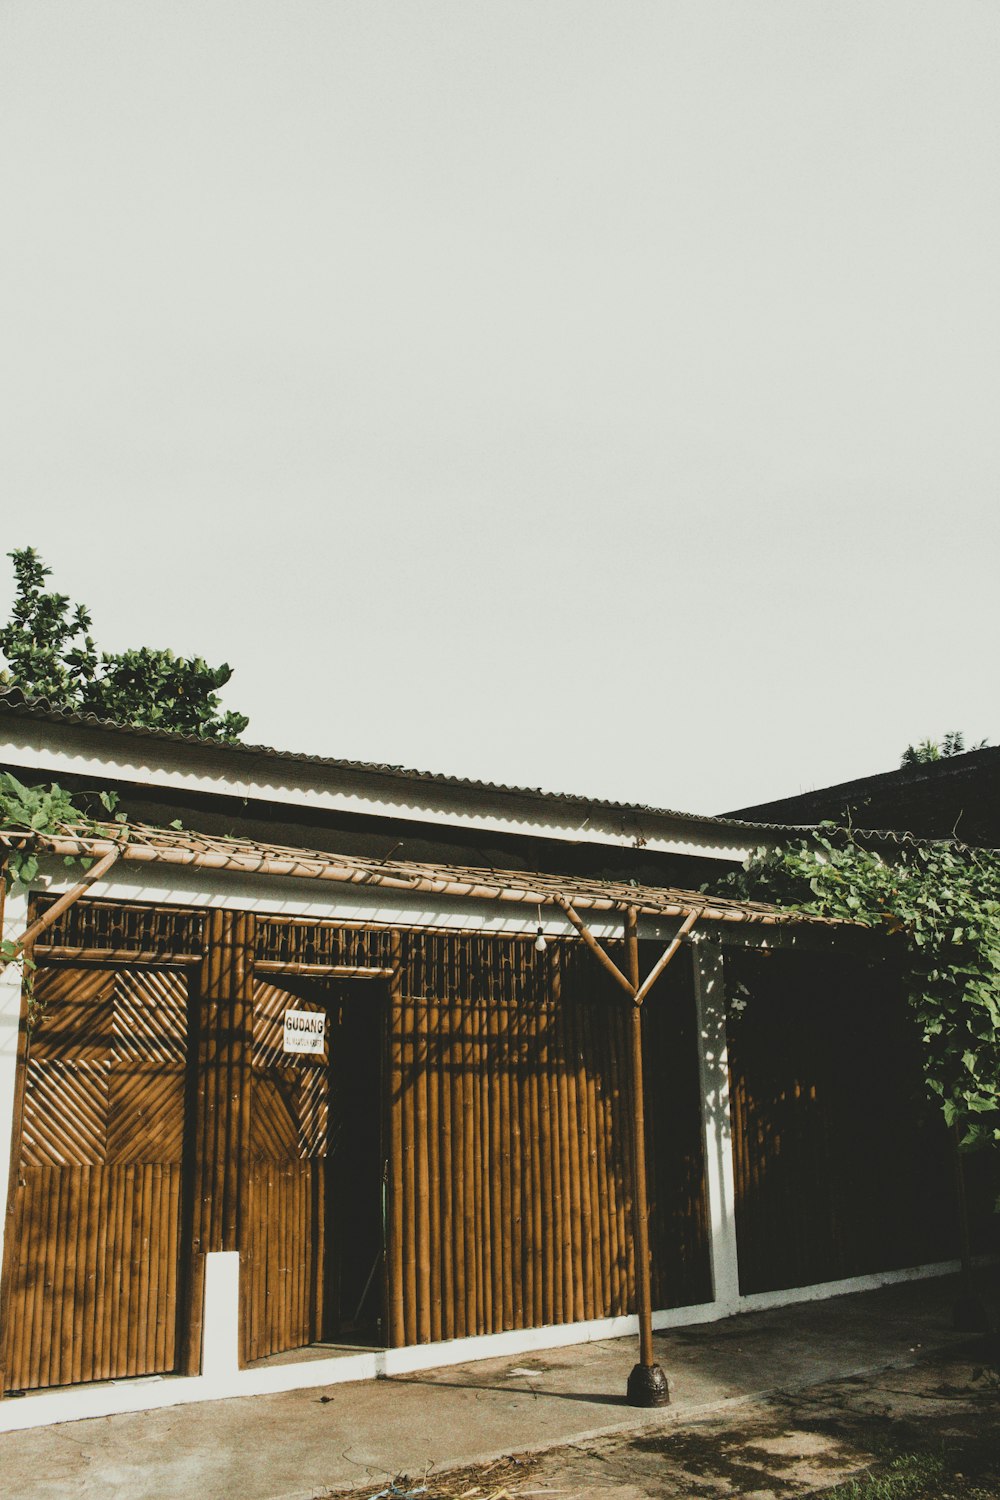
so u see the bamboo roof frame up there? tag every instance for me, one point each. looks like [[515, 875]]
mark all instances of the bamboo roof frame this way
[[145, 844]]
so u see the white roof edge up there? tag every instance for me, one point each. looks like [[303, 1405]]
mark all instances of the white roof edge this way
[[70, 749]]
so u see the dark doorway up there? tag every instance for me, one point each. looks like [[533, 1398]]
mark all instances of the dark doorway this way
[[355, 1198], [312, 1265]]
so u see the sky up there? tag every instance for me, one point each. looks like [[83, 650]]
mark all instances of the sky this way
[[600, 396]]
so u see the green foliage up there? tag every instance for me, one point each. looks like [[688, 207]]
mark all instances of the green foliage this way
[[39, 810], [931, 750], [51, 654], [943, 901], [47, 642], [164, 691]]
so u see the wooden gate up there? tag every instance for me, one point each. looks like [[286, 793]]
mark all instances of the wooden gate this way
[[285, 1238], [93, 1276]]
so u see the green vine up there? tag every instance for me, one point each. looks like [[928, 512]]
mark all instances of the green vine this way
[[36, 812], [940, 900]]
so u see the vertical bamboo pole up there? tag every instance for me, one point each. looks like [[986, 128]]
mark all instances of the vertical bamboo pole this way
[[593, 1055], [494, 1069], [397, 1332], [581, 1164], [547, 1159], [413, 985], [505, 1064], [647, 1384], [420, 1065], [517, 1175], [433, 1055], [446, 1068], [535, 1085], [483, 1157], [458, 1164], [562, 1072]]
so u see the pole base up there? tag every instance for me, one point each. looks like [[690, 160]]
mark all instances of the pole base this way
[[647, 1386], [969, 1315]]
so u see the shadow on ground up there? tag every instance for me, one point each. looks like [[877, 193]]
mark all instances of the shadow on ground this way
[[929, 1432]]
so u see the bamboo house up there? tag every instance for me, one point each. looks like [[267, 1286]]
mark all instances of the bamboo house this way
[[380, 1070]]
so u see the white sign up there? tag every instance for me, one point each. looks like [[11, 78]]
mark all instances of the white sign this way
[[305, 1031]]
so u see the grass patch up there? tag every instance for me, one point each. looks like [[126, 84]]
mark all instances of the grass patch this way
[[908, 1477], [913, 1476]]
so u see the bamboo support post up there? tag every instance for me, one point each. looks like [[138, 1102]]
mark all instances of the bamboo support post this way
[[647, 1384]]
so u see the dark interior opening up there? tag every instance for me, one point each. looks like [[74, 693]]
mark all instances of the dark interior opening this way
[[355, 1161]]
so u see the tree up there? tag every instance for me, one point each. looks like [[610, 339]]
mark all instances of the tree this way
[[931, 750], [51, 654]]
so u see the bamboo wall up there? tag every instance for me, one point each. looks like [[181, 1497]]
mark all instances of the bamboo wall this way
[[842, 1166], [94, 1270], [157, 1131], [511, 1141]]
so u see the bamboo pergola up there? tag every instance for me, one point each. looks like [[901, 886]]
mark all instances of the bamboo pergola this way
[[144, 844]]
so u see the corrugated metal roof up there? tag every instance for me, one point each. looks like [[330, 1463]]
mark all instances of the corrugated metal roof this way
[[14, 701]]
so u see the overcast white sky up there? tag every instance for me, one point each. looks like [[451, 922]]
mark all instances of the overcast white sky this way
[[597, 395]]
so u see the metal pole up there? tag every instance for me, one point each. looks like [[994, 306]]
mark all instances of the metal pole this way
[[647, 1384]]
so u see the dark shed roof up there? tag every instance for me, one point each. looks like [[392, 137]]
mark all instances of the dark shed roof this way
[[957, 797]]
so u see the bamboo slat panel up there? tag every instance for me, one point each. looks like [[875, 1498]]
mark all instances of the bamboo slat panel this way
[[293, 940], [510, 1124], [222, 1120], [93, 926], [841, 1165], [93, 1282]]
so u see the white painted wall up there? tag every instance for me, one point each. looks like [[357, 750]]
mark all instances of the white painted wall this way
[[15, 920], [73, 1404], [717, 1125]]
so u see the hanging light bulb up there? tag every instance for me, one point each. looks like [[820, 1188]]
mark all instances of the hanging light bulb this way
[[540, 943]]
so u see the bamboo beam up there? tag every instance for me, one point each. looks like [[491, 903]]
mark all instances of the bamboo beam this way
[[306, 865], [642, 990], [55, 911], [321, 971], [603, 958]]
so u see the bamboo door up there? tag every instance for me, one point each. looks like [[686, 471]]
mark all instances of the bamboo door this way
[[285, 1236], [92, 1283]]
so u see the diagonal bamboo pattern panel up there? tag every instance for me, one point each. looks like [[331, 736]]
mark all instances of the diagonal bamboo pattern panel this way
[[77, 1014], [93, 1282], [150, 1017]]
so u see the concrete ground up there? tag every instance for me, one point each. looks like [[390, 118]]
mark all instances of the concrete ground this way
[[303, 1444]]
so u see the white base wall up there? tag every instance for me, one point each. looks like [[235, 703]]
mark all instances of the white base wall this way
[[221, 1379]]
